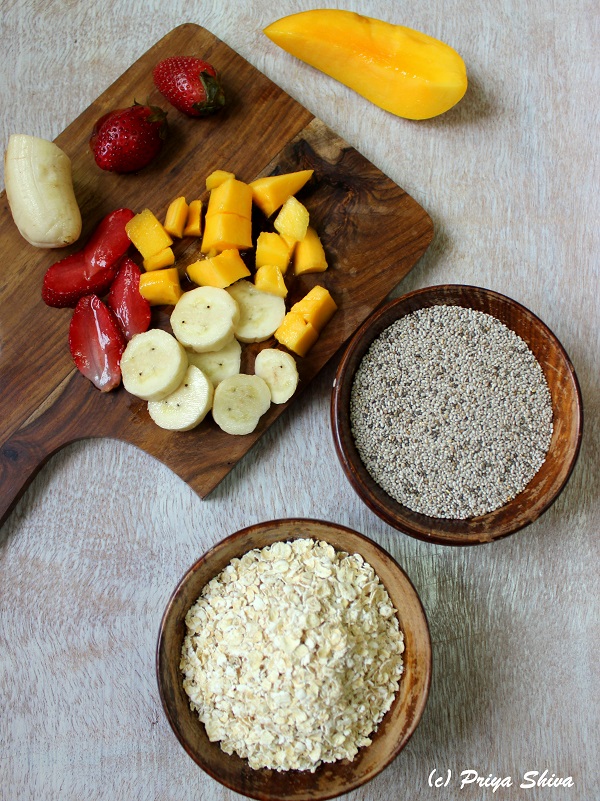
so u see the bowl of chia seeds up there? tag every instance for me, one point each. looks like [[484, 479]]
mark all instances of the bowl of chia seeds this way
[[456, 415]]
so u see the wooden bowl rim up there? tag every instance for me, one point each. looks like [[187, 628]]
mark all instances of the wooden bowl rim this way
[[425, 643], [391, 511]]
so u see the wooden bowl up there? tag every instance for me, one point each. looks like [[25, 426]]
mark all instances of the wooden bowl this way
[[544, 487], [332, 779]]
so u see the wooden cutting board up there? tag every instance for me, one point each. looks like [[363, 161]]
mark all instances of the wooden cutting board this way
[[372, 231]]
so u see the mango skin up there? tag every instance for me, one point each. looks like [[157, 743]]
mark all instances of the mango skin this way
[[401, 70]]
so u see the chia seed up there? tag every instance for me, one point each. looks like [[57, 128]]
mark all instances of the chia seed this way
[[450, 412]]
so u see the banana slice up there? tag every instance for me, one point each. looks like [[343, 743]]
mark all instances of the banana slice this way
[[239, 403], [204, 318], [278, 369], [219, 364], [153, 365], [187, 406], [39, 190], [261, 313]]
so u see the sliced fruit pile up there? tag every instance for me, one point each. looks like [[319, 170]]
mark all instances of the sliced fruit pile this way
[[195, 369], [226, 308]]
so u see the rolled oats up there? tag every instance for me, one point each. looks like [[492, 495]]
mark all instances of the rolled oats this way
[[293, 655]]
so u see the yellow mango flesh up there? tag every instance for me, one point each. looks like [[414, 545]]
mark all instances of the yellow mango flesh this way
[[217, 177], [292, 220], [271, 192], [176, 217], [193, 223], [272, 249], [220, 271], [317, 307], [164, 258], [230, 197], [224, 231], [309, 256], [147, 234], [161, 287], [269, 278], [398, 69], [296, 334]]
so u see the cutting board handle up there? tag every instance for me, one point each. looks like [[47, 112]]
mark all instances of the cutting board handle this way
[[21, 458], [65, 419]]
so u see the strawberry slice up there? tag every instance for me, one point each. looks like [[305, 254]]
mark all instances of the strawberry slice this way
[[92, 269], [130, 308], [96, 343]]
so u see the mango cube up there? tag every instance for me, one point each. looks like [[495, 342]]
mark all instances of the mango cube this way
[[193, 223], [217, 177], [296, 334], [176, 217], [309, 256], [269, 278], [224, 231], [272, 249], [317, 307], [164, 258], [292, 220], [147, 234], [161, 287], [271, 192], [219, 271], [230, 197]]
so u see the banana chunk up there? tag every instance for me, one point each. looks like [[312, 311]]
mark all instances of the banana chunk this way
[[187, 406], [204, 319], [278, 369], [39, 190], [219, 364], [261, 313], [239, 403], [153, 365]]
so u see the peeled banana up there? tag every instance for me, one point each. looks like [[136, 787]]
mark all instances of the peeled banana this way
[[278, 369], [39, 189], [187, 406], [153, 365], [239, 403], [261, 313]]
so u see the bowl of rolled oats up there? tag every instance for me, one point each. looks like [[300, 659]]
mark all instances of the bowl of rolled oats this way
[[456, 415], [294, 660]]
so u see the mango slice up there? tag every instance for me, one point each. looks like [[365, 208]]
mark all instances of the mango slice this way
[[296, 334], [217, 177], [273, 249], [398, 69], [224, 231], [317, 307], [193, 224], [230, 197], [164, 258], [176, 217], [309, 256], [292, 220], [147, 234], [271, 192], [269, 278], [220, 271], [161, 287]]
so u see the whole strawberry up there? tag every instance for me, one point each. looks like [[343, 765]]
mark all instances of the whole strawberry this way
[[189, 84], [128, 139]]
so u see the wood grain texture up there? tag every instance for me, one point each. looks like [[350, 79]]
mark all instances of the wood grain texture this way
[[355, 208], [91, 553]]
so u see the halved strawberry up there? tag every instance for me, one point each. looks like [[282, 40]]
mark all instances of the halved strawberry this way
[[96, 343], [92, 269], [130, 308]]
